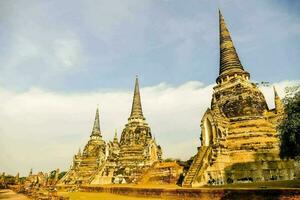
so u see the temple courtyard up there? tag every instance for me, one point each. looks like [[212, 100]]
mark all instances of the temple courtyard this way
[[289, 190], [9, 194], [260, 190]]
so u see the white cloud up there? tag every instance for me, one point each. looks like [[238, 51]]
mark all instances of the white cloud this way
[[43, 129], [269, 93]]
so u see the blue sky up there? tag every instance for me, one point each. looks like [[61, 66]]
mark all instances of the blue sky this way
[[89, 45], [59, 59]]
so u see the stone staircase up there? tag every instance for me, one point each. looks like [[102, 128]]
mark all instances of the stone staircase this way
[[146, 174], [86, 169], [197, 165], [97, 174]]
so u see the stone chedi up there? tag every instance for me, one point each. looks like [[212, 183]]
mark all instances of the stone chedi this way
[[106, 173], [86, 163], [136, 151], [37, 180], [116, 162], [239, 141]]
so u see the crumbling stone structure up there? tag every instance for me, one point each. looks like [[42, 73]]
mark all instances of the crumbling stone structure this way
[[86, 163], [162, 173], [36, 180], [239, 140], [116, 162], [136, 151]]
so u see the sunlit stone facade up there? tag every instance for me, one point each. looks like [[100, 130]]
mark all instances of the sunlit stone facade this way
[[116, 162], [239, 140]]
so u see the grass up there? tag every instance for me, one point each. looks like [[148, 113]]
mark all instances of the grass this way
[[102, 196], [294, 184]]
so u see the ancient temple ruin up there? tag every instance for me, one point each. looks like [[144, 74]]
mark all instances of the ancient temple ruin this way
[[136, 151], [138, 148], [239, 140], [86, 163], [116, 162]]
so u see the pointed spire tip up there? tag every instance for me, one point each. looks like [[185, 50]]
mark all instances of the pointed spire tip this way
[[136, 109], [229, 59], [275, 91], [96, 128]]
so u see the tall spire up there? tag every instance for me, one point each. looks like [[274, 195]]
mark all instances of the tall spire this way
[[96, 128], [278, 103], [136, 110], [115, 137], [79, 152], [275, 93], [17, 178], [229, 59]]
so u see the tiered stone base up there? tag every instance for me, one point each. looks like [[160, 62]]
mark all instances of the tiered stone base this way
[[220, 173]]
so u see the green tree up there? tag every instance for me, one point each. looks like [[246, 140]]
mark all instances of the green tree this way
[[290, 126], [61, 174], [52, 174], [186, 165]]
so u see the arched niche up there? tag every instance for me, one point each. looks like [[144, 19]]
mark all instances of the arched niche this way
[[153, 152], [219, 133], [208, 131]]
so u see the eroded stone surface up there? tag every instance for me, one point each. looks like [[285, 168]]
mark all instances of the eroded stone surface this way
[[239, 140], [116, 162], [162, 173]]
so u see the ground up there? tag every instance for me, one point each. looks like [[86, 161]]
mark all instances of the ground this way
[[9, 194], [288, 190], [275, 190], [102, 196]]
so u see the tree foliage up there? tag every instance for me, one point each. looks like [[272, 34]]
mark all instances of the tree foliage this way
[[6, 180], [290, 126], [52, 174], [61, 174]]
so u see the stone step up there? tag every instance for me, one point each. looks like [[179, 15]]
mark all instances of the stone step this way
[[196, 165]]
